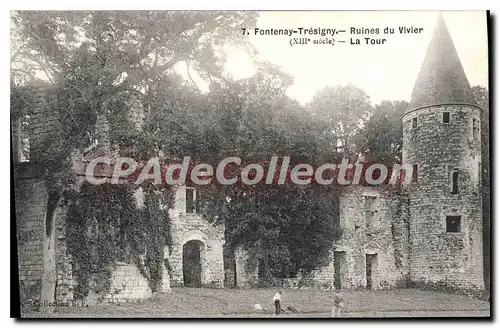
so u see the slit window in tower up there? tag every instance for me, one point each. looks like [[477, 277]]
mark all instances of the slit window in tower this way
[[475, 129], [454, 183], [190, 200], [414, 123], [414, 173], [453, 223], [446, 117], [479, 172]]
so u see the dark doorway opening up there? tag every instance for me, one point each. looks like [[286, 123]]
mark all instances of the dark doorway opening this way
[[340, 263], [371, 263], [229, 267], [191, 263]]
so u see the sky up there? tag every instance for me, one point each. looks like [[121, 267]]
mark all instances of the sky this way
[[385, 72]]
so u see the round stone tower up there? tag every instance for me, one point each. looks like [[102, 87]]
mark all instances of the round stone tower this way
[[441, 139]]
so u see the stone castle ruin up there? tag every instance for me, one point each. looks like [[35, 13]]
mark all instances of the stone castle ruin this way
[[428, 233]]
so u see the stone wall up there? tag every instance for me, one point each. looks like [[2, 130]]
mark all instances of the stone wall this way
[[127, 284], [386, 236], [31, 206], [30, 202], [321, 277], [16, 136], [406, 234], [35, 236], [246, 272], [43, 122], [64, 266], [439, 257], [381, 232], [191, 226]]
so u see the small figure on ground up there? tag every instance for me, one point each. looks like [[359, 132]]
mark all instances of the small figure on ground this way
[[258, 307], [338, 304], [277, 302]]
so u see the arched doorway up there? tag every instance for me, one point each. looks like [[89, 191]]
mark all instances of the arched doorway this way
[[192, 254]]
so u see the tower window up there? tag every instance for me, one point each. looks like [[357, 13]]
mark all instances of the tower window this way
[[414, 123], [446, 117], [479, 172], [475, 129], [190, 200], [414, 173], [454, 183], [453, 223]]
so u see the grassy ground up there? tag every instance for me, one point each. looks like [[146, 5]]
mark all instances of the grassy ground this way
[[191, 302]]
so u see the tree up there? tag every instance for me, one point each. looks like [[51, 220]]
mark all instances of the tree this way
[[98, 62], [381, 139], [340, 113], [288, 229], [95, 59]]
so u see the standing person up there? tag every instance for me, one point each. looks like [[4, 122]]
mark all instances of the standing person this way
[[338, 304], [277, 302]]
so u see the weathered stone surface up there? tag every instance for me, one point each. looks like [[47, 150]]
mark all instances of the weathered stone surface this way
[[438, 149], [246, 273], [378, 229], [31, 200], [127, 283], [191, 226], [64, 265]]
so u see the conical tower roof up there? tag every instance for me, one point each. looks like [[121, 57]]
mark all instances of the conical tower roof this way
[[442, 79]]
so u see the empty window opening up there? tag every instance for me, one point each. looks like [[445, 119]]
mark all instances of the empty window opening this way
[[453, 223], [190, 200], [414, 173], [446, 117], [454, 183], [414, 123], [475, 129]]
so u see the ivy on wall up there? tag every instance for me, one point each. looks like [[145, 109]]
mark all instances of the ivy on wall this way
[[106, 225], [157, 233]]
